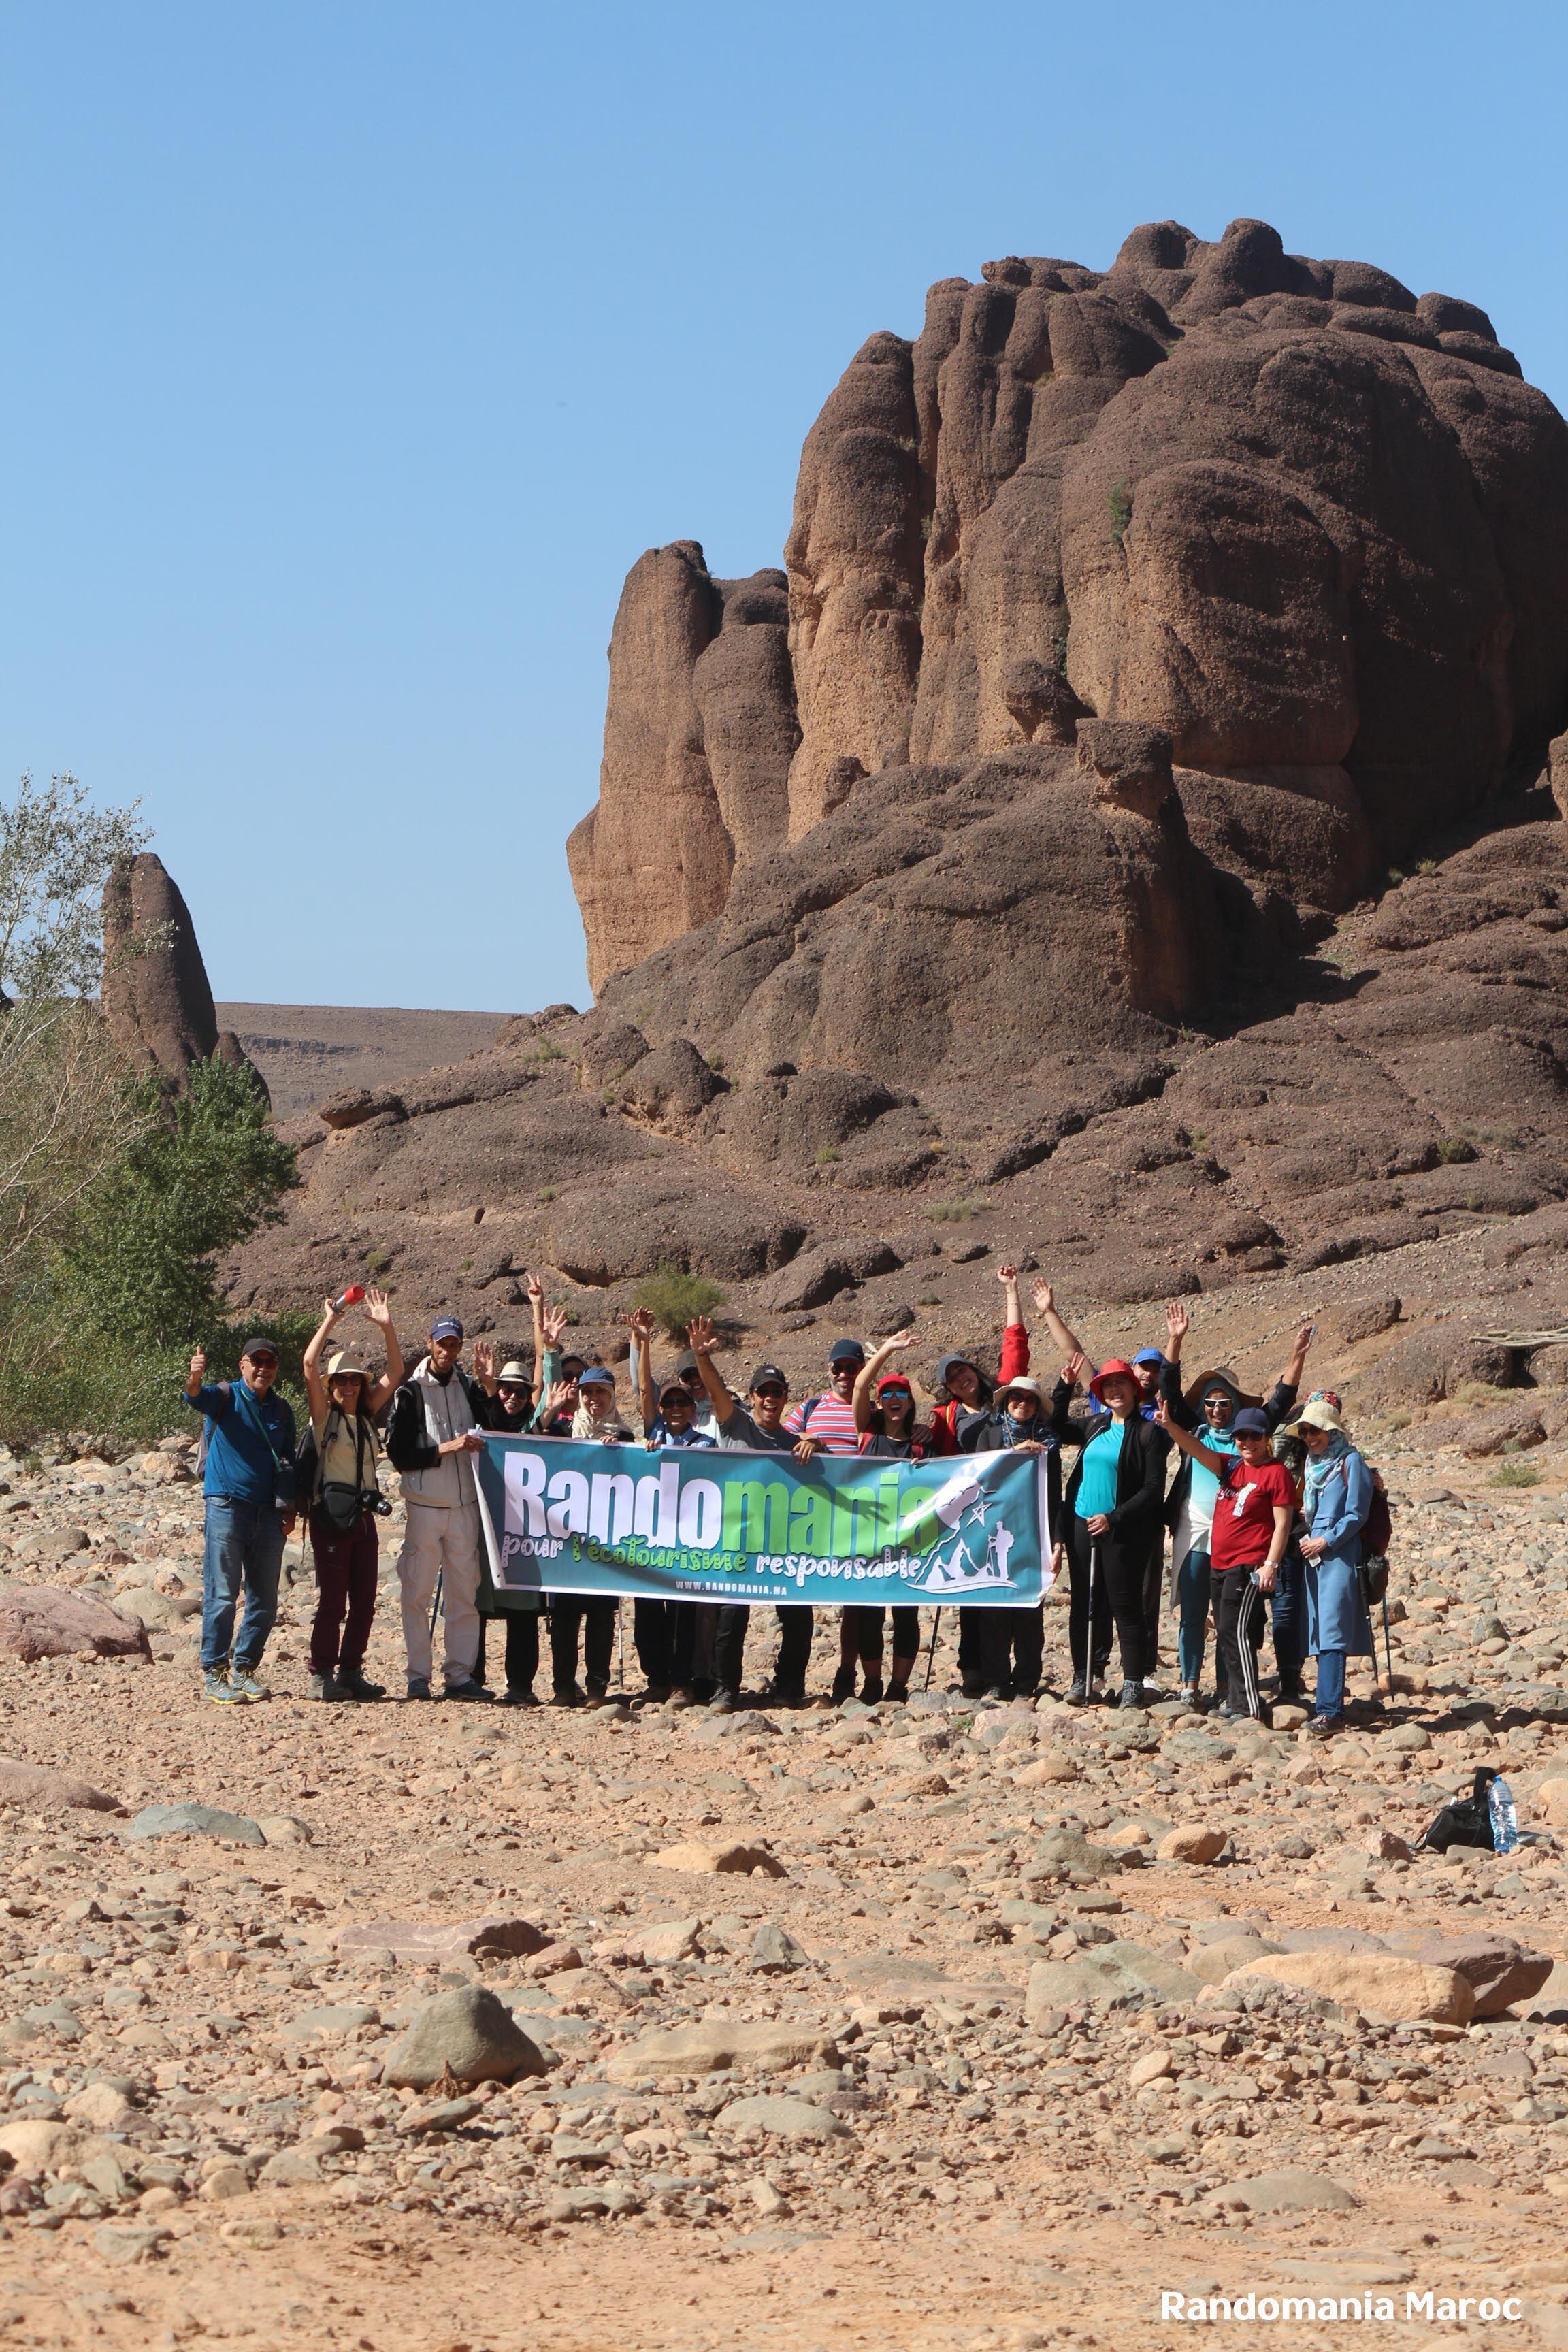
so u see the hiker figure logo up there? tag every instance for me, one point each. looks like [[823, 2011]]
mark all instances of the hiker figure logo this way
[[973, 1555]]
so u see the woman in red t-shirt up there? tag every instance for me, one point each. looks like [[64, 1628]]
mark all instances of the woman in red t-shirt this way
[[1253, 1517]]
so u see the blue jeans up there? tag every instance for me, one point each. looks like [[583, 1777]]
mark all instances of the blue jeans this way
[[243, 1548], [1330, 1698], [1288, 1613], [1194, 1579]]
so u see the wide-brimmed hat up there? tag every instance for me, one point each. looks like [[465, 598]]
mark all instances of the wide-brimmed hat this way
[[1022, 1386], [1221, 1377], [347, 1366], [1318, 1414], [1118, 1368], [514, 1375]]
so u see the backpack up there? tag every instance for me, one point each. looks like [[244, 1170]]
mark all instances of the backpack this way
[[1467, 1822], [1376, 1535], [342, 1506]]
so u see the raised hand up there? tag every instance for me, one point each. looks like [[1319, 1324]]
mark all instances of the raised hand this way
[[641, 1321], [1072, 1370], [1045, 1298], [378, 1306], [553, 1324], [1304, 1340], [328, 1313], [535, 1290], [198, 1370], [899, 1340], [700, 1332], [484, 1361], [1178, 1322], [555, 1396], [1005, 1273], [1162, 1413]]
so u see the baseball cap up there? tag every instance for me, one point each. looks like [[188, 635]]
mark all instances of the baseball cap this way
[[1150, 1356], [674, 1389], [766, 1374], [686, 1363], [894, 1381], [259, 1347], [946, 1363], [445, 1326], [1250, 1423], [595, 1376], [846, 1351]]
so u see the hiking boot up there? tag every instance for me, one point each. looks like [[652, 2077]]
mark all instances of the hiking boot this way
[[871, 1690], [682, 1697], [418, 1686], [1131, 1694], [656, 1695], [993, 1694], [777, 1694], [724, 1703], [972, 1686], [569, 1696], [1292, 1695], [1321, 1726], [353, 1685], [843, 1684], [598, 1692], [518, 1694], [215, 1687], [897, 1694], [468, 1691], [1078, 1692], [244, 1685], [327, 1688]]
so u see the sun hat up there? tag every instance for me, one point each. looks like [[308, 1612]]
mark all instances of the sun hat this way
[[1221, 1377], [1116, 1368], [345, 1365], [513, 1375], [445, 1326], [1251, 1422], [1316, 1414], [1023, 1386]]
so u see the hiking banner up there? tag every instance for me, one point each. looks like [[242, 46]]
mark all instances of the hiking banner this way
[[698, 1523]]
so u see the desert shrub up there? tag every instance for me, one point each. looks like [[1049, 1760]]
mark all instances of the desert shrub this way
[[1515, 1474], [675, 1300]]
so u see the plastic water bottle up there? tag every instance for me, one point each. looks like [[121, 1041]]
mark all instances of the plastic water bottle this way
[[1504, 1817]]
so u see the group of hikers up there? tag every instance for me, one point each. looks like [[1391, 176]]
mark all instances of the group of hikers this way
[[1271, 1504]]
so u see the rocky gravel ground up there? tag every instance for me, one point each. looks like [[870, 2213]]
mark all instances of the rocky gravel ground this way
[[929, 2025]]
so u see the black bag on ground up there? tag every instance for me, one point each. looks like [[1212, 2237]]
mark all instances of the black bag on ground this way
[[1467, 1822]]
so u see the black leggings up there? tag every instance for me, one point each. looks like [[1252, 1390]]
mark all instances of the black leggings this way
[[1120, 1569], [866, 1626]]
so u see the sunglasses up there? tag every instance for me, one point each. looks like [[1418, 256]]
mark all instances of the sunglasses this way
[[770, 1391]]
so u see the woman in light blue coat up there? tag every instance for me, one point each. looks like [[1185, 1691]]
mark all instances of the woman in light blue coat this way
[[1338, 1497]]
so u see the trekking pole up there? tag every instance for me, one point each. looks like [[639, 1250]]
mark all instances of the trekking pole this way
[[1089, 1642], [1387, 1644], [436, 1601], [620, 1644], [930, 1653]]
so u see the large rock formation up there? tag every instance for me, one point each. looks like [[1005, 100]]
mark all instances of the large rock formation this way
[[1310, 527], [156, 998]]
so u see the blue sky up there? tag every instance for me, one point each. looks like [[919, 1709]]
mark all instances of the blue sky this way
[[357, 351]]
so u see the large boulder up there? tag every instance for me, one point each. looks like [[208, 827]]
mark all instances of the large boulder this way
[[156, 997], [466, 2033], [41, 1621]]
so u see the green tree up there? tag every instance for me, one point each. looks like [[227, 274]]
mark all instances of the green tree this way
[[204, 1170]]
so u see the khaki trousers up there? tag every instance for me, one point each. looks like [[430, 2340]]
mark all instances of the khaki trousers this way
[[445, 1544]]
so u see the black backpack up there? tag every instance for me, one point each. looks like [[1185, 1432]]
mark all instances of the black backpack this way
[[1467, 1822]]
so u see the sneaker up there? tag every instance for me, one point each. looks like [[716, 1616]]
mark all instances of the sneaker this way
[[1188, 1695], [1321, 1726], [569, 1696], [724, 1703], [656, 1695], [1131, 1694], [972, 1686], [216, 1685], [418, 1686], [843, 1684], [1078, 1692], [468, 1691], [897, 1694], [244, 1685], [682, 1697], [776, 1694], [993, 1694], [327, 1688], [871, 1690], [517, 1695], [598, 1692], [355, 1686]]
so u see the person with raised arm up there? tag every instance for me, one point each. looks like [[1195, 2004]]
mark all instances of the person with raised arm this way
[[884, 1405], [1110, 1507], [1254, 1512], [341, 1493], [1011, 1642], [1209, 1405], [664, 1632], [248, 1491], [968, 1386], [432, 1436], [757, 1427]]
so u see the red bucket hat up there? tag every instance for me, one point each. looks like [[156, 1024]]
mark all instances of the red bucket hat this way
[[1109, 1372]]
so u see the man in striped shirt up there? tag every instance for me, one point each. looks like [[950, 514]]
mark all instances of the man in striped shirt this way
[[826, 1423]]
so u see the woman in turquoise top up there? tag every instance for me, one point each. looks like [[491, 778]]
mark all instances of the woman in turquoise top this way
[[1111, 1508]]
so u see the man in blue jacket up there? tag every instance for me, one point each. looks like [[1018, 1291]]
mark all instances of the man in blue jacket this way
[[248, 1485]]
